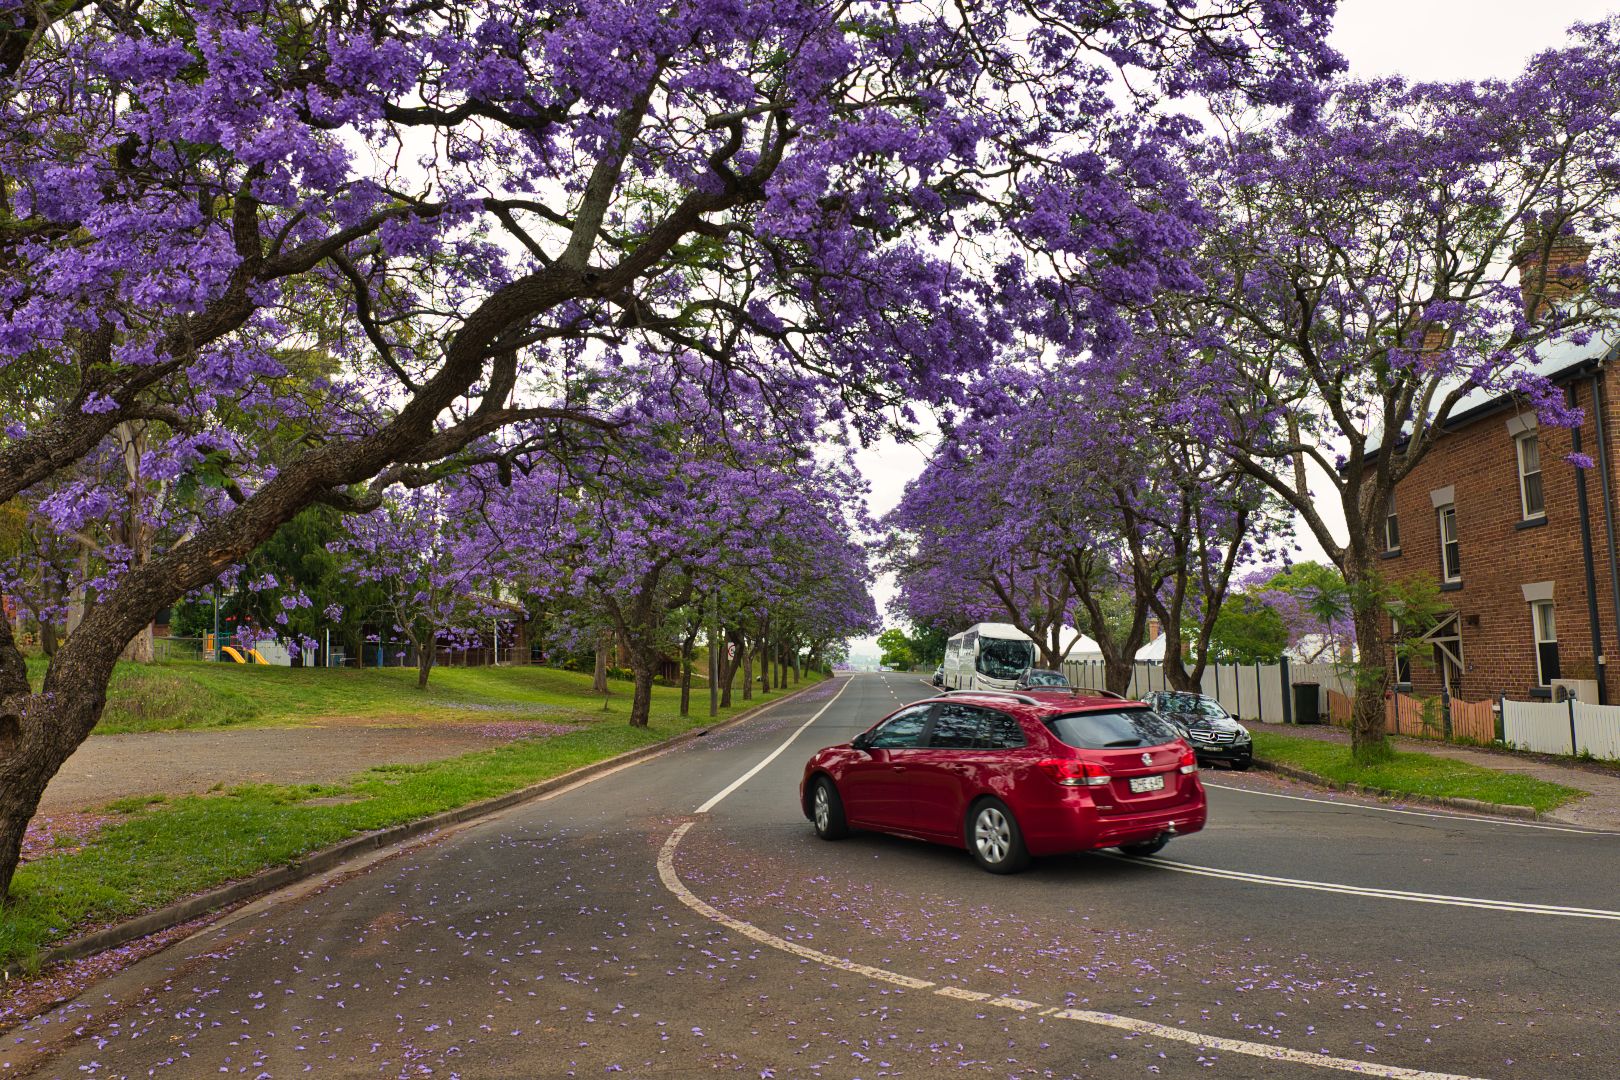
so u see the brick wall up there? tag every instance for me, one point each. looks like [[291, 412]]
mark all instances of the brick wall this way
[[1500, 552]]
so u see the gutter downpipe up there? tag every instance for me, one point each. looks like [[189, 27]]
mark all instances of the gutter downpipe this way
[[1581, 507], [1603, 476]]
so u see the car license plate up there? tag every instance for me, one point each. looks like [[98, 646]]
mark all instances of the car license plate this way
[[1146, 783]]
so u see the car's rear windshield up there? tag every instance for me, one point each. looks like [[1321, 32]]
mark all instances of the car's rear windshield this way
[[1112, 730]]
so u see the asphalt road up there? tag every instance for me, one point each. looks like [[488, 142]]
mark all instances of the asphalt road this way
[[614, 929]]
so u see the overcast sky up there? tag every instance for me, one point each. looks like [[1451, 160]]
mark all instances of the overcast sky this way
[[1421, 39]]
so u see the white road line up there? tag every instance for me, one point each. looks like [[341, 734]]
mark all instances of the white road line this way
[[666, 872], [773, 755], [672, 882], [1418, 813], [1379, 894]]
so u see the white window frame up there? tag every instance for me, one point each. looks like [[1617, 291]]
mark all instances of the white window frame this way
[[1524, 494], [1391, 517], [1402, 664], [1441, 513], [1538, 640]]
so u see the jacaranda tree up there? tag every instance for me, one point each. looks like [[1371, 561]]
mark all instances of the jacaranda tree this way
[[320, 252], [1367, 274]]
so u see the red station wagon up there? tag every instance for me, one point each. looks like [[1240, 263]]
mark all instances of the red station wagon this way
[[1012, 775]]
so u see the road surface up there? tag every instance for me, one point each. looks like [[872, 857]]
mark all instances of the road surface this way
[[614, 929]]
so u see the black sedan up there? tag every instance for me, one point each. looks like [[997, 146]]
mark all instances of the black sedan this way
[[1214, 734]]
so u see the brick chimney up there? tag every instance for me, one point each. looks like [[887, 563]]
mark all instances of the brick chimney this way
[[1153, 628], [1552, 266]]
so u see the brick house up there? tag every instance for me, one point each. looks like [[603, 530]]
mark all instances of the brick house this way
[[1524, 545]]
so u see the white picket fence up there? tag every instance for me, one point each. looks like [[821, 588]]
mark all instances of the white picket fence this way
[[1567, 728], [1248, 691]]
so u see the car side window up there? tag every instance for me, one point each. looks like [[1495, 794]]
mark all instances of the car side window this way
[[956, 728], [1001, 732], [901, 730]]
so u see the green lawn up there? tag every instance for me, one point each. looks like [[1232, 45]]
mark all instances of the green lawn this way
[[162, 851], [1411, 773], [190, 694]]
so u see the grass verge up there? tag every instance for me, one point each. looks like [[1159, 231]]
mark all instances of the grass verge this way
[[166, 849], [192, 694], [1415, 774]]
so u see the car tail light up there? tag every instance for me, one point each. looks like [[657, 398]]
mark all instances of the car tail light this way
[[1072, 773], [1189, 761]]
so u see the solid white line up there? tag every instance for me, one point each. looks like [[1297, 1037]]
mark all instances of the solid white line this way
[[774, 754], [1418, 813], [1379, 894], [672, 881]]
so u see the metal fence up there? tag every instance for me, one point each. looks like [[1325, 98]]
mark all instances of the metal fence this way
[[1260, 692]]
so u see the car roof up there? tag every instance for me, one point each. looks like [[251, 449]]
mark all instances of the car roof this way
[[1045, 701]]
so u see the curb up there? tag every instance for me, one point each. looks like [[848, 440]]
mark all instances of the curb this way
[[1472, 805], [319, 862]]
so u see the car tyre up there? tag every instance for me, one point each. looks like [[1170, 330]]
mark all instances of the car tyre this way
[[1145, 848], [827, 810], [994, 838], [1243, 764]]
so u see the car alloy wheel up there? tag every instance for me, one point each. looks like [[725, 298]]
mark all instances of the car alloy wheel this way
[[994, 838], [992, 835], [827, 810]]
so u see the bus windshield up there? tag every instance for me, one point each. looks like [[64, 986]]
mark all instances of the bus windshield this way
[[1000, 658]]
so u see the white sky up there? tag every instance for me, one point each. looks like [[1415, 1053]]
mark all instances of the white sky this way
[[1421, 39]]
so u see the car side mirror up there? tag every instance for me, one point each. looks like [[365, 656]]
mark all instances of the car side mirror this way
[[863, 741]]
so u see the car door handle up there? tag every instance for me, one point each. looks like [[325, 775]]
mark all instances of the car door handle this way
[[899, 768]]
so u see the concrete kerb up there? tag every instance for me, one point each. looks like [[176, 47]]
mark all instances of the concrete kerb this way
[[1474, 806], [319, 862]]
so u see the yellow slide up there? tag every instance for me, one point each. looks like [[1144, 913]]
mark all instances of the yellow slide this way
[[234, 655], [257, 659]]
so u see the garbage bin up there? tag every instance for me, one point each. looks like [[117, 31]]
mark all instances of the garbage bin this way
[[1307, 703]]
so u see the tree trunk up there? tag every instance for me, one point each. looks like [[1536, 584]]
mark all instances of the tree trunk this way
[[688, 646], [644, 665], [38, 732], [599, 681], [728, 668], [424, 664], [1117, 672], [1373, 670], [746, 658]]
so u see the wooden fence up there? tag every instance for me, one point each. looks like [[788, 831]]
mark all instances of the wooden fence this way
[[1404, 715]]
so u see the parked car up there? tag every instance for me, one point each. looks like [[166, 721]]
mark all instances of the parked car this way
[[1010, 775], [939, 676], [1039, 678], [1213, 732]]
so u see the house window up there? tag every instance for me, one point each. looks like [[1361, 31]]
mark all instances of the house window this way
[[1530, 499], [1392, 525], [1546, 628], [1403, 661], [1450, 554]]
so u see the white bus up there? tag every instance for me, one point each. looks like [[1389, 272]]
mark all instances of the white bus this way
[[988, 656]]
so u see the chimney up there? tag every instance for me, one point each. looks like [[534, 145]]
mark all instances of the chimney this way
[[1153, 628], [1552, 267]]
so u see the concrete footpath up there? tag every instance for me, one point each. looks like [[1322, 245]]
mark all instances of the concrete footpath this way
[[1600, 809]]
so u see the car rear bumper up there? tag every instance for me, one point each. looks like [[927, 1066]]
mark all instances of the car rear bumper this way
[[1079, 826]]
